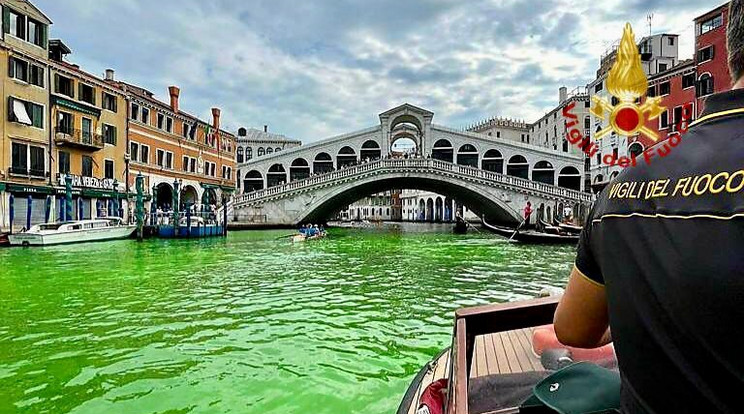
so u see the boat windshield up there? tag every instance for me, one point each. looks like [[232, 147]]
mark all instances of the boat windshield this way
[[53, 226]]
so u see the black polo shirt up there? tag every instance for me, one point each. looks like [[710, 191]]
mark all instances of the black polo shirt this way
[[666, 238]]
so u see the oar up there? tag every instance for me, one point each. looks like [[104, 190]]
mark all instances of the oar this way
[[517, 229], [287, 235]]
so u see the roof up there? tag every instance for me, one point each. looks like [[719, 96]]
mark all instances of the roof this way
[[709, 12], [679, 67], [253, 134], [33, 8], [409, 107]]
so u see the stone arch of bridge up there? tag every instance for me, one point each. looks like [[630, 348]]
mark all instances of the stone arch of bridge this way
[[480, 201]]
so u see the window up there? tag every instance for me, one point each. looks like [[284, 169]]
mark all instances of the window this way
[[662, 67], [671, 41], [135, 112], [498, 135], [87, 166], [109, 134], [185, 130], [17, 25], [19, 159], [169, 160], [664, 120], [709, 24], [214, 170], [134, 151], [185, 163], [145, 116], [248, 153], [192, 167], [64, 123], [161, 120], [269, 151], [677, 117], [587, 104], [664, 88], [26, 113], [109, 102], [688, 80], [160, 158], [261, 151], [86, 126], [63, 162], [86, 93], [63, 85], [37, 161], [18, 69], [108, 169], [615, 101], [705, 54], [144, 154], [705, 85], [239, 154], [169, 124], [598, 87], [614, 153], [36, 33]]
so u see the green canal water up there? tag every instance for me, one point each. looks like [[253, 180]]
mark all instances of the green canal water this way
[[247, 324]]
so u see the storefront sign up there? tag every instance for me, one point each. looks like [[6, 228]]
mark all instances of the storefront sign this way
[[87, 182]]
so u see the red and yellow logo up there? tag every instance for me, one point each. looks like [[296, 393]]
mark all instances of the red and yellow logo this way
[[627, 82]]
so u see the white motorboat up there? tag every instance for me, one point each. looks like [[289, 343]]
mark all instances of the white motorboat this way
[[105, 228]]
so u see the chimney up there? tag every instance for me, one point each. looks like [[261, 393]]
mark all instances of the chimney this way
[[110, 75], [562, 94], [216, 118], [266, 128], [174, 93]]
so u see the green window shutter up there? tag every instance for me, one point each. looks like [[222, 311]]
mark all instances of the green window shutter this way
[[6, 20], [11, 68], [113, 133], [56, 83], [80, 90], [44, 36], [11, 115]]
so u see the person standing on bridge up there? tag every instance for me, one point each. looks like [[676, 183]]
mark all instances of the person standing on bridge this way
[[667, 273]]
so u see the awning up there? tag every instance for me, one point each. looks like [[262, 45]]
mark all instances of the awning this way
[[2, 186], [66, 103], [29, 189], [19, 110], [101, 194]]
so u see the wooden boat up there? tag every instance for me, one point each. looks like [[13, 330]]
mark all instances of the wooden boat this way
[[107, 228], [532, 236], [4, 240], [461, 226], [300, 238], [489, 343]]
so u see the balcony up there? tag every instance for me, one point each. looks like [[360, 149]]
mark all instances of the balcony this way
[[64, 136]]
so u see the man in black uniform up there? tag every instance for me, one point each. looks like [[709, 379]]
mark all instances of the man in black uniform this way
[[661, 261]]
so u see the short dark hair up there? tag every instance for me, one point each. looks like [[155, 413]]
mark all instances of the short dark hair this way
[[735, 35]]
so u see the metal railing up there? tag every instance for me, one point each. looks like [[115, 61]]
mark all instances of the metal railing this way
[[28, 172], [78, 136], [432, 165]]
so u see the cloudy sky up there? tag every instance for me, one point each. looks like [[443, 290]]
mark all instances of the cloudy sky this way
[[313, 69]]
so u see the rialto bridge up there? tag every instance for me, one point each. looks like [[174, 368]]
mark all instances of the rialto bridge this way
[[491, 176]]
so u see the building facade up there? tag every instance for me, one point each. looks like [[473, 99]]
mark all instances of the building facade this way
[[254, 143], [177, 153], [26, 183], [711, 54]]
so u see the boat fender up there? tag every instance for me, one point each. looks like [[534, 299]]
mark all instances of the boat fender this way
[[556, 358], [432, 399]]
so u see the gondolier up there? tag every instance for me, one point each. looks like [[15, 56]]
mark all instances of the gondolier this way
[[663, 266]]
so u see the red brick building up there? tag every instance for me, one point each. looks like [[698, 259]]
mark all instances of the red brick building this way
[[711, 54]]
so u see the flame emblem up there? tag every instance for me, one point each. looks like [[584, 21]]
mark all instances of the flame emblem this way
[[627, 82]]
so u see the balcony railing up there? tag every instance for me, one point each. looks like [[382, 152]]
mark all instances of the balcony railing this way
[[78, 137]]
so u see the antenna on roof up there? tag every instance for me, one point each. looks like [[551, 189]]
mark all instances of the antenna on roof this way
[[650, 18]]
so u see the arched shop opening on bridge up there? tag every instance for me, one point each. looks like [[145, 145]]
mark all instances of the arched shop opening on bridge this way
[[370, 151], [493, 161], [323, 163], [543, 172], [518, 167], [467, 155], [277, 175], [346, 157], [299, 170], [570, 177], [253, 181], [442, 150]]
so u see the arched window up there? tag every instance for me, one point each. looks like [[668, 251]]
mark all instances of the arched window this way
[[493, 161], [635, 149], [443, 151], [323, 163], [252, 181], [467, 155], [261, 151], [299, 170], [705, 85], [269, 151], [248, 153], [543, 172], [240, 154], [277, 175], [370, 150], [569, 177], [346, 156], [277, 149]]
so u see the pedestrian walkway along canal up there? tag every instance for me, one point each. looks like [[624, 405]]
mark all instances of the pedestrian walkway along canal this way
[[247, 324]]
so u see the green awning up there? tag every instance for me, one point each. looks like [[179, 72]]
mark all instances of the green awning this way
[[101, 194], [2, 186], [75, 106], [227, 189], [29, 189]]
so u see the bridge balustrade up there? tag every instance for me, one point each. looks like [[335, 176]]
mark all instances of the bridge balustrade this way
[[415, 163]]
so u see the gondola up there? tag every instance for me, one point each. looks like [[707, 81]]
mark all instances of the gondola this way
[[461, 226], [532, 236]]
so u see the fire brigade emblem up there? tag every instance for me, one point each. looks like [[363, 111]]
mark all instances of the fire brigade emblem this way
[[627, 82]]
